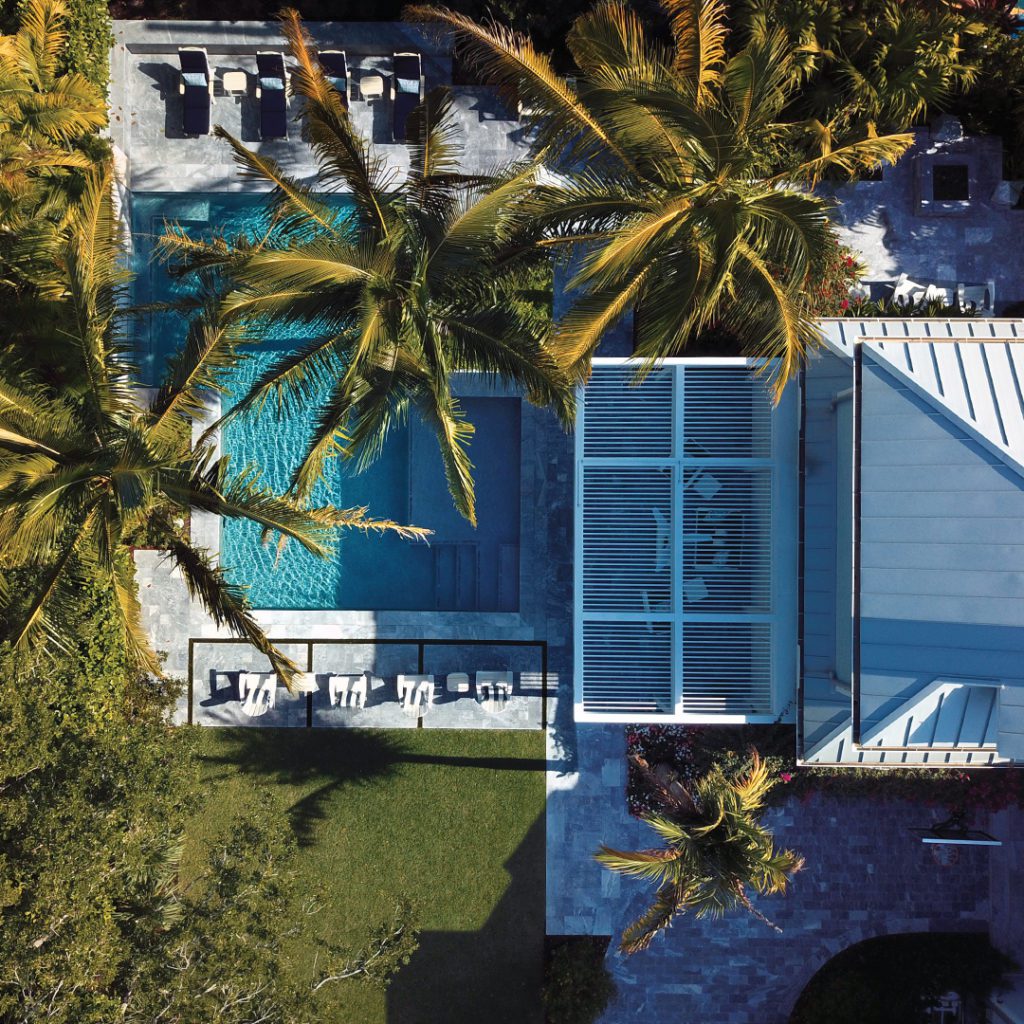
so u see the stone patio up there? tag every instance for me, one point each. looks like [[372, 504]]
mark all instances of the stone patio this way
[[146, 108], [897, 228], [866, 876]]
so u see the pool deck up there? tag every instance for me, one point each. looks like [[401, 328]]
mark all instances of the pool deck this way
[[146, 109]]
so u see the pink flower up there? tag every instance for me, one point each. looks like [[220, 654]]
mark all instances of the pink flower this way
[[786, 776]]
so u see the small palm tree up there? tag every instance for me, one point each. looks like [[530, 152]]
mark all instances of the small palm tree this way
[[680, 187], [85, 467], [44, 116], [430, 275], [716, 850]]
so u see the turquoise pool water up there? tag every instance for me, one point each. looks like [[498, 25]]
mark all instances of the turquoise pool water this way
[[461, 569]]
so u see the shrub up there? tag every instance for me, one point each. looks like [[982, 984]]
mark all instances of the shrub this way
[[89, 37], [577, 985]]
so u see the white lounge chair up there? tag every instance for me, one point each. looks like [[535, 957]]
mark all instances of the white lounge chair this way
[[338, 688], [261, 697], [980, 297], [412, 688]]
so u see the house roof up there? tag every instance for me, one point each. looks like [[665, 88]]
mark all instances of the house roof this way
[[936, 500], [971, 370]]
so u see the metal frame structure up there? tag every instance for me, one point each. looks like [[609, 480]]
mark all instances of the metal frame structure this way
[[683, 660], [420, 643]]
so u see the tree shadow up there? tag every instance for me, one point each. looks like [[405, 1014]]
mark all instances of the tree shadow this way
[[495, 973], [335, 758]]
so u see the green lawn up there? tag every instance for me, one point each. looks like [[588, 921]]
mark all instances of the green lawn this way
[[452, 820]]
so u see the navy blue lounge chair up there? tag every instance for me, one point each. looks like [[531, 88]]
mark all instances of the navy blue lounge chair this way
[[335, 68], [272, 92], [196, 89], [407, 90]]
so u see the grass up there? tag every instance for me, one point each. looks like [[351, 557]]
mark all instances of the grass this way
[[453, 820]]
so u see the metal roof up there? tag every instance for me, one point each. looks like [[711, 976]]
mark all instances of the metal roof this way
[[937, 550], [970, 369]]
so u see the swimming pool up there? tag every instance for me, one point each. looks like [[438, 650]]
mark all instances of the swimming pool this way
[[461, 569]]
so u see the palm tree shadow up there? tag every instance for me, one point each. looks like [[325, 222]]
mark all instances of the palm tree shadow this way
[[297, 757]]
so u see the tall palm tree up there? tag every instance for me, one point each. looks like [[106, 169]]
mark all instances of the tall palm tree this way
[[679, 187], [44, 117], [431, 274], [85, 467], [715, 850]]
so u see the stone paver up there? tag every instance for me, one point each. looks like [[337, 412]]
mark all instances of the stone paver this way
[[894, 232], [866, 876]]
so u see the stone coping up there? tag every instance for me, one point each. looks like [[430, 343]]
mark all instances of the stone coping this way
[[234, 37]]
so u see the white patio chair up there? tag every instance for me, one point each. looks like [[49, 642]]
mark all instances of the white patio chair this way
[[337, 689], [981, 296], [408, 688], [261, 698], [357, 693]]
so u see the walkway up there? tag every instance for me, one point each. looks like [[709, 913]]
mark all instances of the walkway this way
[[865, 876]]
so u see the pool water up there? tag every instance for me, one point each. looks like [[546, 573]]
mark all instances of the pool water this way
[[460, 569]]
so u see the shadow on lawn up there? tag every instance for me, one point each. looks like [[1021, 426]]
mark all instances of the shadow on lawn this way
[[334, 758], [493, 974]]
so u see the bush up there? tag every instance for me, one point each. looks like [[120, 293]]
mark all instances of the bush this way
[[90, 37], [577, 985]]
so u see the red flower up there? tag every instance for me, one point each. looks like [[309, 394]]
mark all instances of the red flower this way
[[845, 304]]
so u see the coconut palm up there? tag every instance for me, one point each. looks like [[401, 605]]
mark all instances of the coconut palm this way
[[680, 188], [44, 116], [428, 276], [715, 850], [85, 468], [873, 61]]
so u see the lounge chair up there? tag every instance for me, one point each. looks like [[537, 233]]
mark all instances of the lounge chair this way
[[335, 68], [261, 697], [196, 90], [410, 688], [272, 92], [408, 87], [981, 298]]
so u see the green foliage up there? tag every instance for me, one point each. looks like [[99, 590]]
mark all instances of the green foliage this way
[[84, 470], [995, 102], [426, 277], [90, 36], [681, 192], [97, 793], [715, 847], [898, 977], [577, 984], [881, 62]]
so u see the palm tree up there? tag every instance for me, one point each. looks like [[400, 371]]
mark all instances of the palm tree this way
[[715, 850], [884, 62], [679, 187], [428, 276], [85, 467], [45, 115]]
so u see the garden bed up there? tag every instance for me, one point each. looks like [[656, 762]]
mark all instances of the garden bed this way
[[692, 750]]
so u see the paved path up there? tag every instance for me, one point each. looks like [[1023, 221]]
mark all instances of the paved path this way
[[865, 876]]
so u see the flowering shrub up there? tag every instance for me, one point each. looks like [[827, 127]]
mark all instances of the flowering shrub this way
[[692, 750], [829, 280]]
